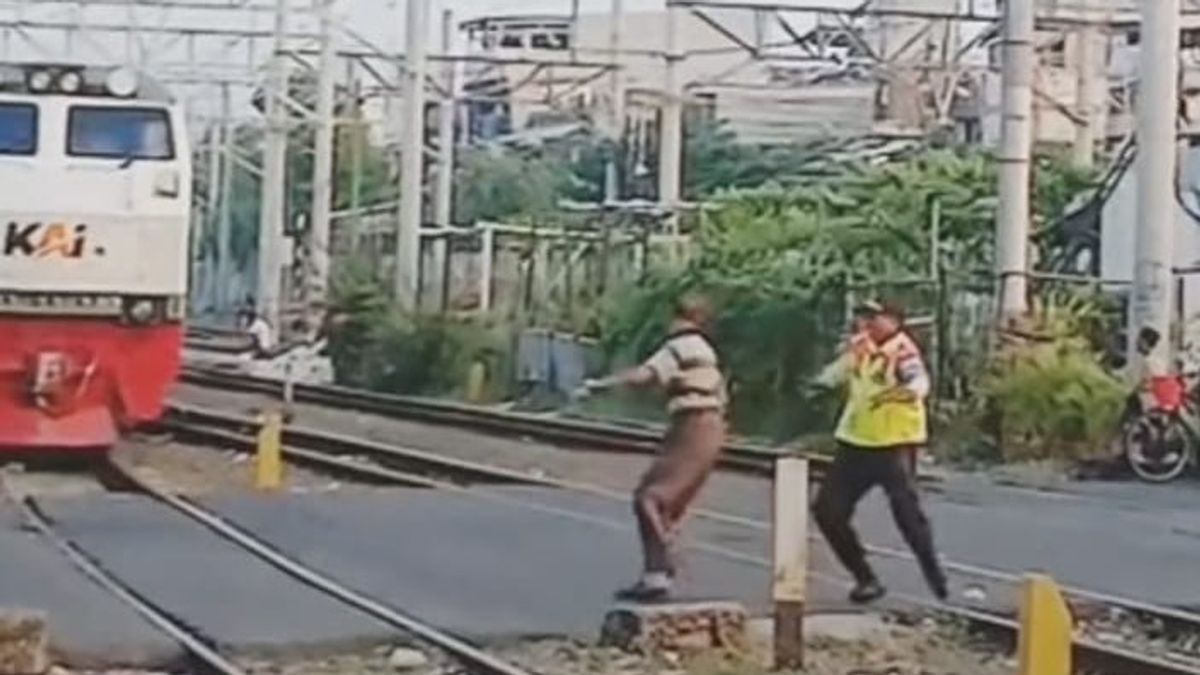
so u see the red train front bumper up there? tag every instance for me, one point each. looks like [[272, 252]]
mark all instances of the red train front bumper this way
[[75, 383]]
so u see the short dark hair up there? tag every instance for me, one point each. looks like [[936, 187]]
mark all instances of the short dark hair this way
[[1149, 335]]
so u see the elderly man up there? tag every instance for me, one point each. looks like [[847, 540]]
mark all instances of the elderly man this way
[[686, 367]]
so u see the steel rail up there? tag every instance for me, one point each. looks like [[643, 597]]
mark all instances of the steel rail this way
[[327, 450], [203, 656], [738, 456], [461, 650]]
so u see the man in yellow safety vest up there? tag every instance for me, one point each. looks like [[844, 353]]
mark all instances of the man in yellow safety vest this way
[[882, 428]]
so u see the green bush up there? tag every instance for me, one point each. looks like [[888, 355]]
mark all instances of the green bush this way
[[1053, 401], [376, 346], [1050, 396], [778, 263]]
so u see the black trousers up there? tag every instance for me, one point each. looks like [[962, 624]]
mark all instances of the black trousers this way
[[854, 472]]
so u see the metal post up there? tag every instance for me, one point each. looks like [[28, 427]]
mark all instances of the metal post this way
[[671, 130], [1157, 107], [446, 118], [358, 139], [444, 193], [1088, 71], [212, 220], [574, 37], [322, 179], [1012, 217], [612, 190], [487, 259], [273, 208], [225, 220], [412, 161]]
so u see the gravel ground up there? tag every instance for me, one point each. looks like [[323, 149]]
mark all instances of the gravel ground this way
[[902, 650], [898, 650]]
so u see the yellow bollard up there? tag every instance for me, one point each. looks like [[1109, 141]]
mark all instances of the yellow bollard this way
[[269, 461], [476, 381], [1044, 646]]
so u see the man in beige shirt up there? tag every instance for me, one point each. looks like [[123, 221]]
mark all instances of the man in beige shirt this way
[[686, 366]]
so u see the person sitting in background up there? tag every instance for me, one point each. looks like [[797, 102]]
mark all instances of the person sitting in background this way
[[1149, 375], [263, 336]]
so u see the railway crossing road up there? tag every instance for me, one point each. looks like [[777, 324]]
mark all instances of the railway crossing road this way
[[1126, 538], [479, 569]]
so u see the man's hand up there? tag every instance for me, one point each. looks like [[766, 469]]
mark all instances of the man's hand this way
[[589, 387]]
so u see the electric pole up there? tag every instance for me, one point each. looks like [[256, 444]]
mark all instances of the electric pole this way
[[617, 82], [322, 179], [670, 143], [1089, 73], [1012, 214], [225, 220], [443, 203], [407, 282], [1156, 109], [447, 113], [273, 208]]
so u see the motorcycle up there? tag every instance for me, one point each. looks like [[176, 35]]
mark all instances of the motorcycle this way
[[1160, 443]]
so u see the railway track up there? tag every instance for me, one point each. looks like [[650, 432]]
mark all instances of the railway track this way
[[566, 432], [1155, 640], [203, 657]]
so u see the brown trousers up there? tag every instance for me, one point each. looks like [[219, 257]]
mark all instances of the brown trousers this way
[[691, 448]]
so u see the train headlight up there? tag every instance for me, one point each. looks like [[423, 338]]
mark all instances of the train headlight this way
[[70, 82], [122, 83], [140, 311], [39, 81]]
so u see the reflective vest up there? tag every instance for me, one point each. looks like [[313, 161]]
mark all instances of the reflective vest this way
[[873, 370]]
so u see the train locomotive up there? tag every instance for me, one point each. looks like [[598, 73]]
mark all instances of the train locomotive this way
[[95, 201]]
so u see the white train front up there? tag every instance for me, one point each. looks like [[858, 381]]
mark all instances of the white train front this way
[[95, 199]]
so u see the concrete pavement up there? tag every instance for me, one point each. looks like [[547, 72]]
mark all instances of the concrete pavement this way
[[86, 623]]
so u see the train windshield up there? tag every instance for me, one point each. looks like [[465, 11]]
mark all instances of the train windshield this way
[[120, 133], [18, 129]]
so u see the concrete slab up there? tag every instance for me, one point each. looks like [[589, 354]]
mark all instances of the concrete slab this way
[[479, 569], [487, 570], [88, 627], [236, 600]]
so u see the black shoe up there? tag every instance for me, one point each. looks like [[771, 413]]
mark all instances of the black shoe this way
[[936, 580], [640, 592], [940, 590], [867, 592]]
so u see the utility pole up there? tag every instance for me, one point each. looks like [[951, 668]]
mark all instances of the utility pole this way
[[1012, 215], [407, 282], [212, 220], [443, 204], [274, 207], [1089, 72], [612, 188], [225, 218], [1157, 107], [444, 201], [322, 179], [670, 142]]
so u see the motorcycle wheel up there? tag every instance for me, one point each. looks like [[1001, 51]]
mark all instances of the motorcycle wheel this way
[[1158, 449]]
